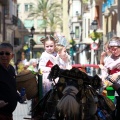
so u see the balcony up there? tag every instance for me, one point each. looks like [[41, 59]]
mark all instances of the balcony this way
[[11, 21], [4, 2], [14, 20]]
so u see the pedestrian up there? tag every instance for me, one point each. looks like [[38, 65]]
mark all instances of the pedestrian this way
[[21, 63], [33, 66], [112, 66], [26, 65], [64, 60], [106, 53], [8, 92], [47, 60], [103, 59]]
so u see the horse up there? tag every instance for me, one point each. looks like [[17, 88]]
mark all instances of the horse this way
[[73, 97], [77, 102]]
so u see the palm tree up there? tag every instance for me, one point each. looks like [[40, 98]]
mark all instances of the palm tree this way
[[45, 10], [53, 22]]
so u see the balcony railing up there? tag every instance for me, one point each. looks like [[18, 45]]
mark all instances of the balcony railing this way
[[14, 20]]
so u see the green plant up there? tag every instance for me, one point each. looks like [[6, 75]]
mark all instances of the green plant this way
[[79, 17], [95, 35], [85, 1], [72, 42]]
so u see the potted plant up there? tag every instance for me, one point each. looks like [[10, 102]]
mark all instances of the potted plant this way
[[95, 35], [79, 17], [72, 42]]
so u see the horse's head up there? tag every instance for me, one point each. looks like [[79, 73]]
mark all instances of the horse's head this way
[[77, 99], [68, 106]]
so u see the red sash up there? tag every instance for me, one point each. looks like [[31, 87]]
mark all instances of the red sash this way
[[114, 71], [49, 64]]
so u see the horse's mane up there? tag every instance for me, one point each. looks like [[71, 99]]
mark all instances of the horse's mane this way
[[68, 104]]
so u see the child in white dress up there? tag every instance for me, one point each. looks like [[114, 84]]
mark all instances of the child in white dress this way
[[64, 60], [47, 60]]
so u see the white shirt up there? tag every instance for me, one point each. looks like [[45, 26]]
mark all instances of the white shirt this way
[[44, 58]]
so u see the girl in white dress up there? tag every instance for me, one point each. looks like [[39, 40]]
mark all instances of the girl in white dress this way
[[47, 60], [64, 60]]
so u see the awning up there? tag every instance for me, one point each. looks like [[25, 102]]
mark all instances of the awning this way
[[17, 34]]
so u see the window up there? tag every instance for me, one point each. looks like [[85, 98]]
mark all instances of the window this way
[[77, 31], [88, 26], [28, 7], [28, 23], [85, 28], [39, 23], [26, 39], [18, 8], [19, 23], [7, 10]]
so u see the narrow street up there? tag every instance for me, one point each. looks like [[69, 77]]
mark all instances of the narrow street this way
[[21, 112]]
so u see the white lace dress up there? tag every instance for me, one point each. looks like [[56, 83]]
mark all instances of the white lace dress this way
[[45, 57]]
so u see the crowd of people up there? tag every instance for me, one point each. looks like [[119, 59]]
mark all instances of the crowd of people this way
[[9, 96], [53, 54]]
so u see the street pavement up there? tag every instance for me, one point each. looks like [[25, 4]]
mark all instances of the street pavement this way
[[21, 112]]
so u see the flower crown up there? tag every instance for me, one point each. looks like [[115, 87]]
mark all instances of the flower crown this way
[[49, 38], [114, 43]]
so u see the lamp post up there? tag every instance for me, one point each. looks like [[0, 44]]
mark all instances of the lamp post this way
[[72, 43], [32, 41], [32, 31], [94, 26]]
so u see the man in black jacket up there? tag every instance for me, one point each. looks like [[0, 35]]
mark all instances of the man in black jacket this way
[[8, 91]]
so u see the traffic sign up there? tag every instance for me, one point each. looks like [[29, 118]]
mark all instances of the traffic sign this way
[[94, 46]]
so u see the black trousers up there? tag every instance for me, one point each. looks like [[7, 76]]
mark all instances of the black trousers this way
[[116, 113]]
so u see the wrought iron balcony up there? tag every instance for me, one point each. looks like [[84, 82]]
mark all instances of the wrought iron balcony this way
[[14, 20]]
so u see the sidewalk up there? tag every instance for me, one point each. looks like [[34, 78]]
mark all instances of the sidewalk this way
[[21, 112]]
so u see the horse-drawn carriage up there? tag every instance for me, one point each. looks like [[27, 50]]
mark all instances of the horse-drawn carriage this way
[[74, 97]]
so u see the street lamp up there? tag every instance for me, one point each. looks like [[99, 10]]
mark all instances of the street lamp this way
[[32, 30], [94, 25], [32, 43], [94, 37], [72, 34], [72, 43]]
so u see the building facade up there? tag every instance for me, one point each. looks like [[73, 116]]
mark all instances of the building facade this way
[[8, 24], [25, 24]]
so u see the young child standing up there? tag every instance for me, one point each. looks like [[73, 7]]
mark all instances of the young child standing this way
[[63, 58], [103, 60], [47, 60]]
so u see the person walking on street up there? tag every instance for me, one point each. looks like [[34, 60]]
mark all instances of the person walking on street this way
[[8, 92]]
